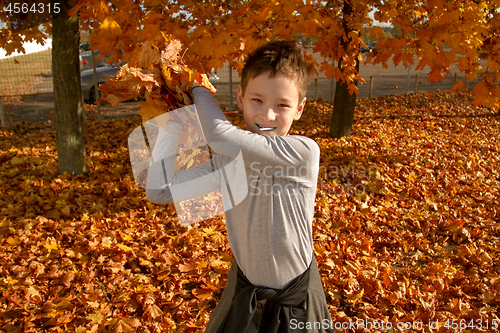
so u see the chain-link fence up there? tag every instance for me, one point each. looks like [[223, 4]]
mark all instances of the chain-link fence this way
[[379, 81], [26, 86], [26, 89], [322, 88]]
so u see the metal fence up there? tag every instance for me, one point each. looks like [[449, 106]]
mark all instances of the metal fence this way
[[322, 88], [26, 91], [26, 87]]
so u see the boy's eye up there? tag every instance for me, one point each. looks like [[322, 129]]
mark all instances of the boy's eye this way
[[257, 100], [283, 105]]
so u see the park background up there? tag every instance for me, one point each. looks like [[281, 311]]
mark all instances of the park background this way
[[26, 88], [413, 243]]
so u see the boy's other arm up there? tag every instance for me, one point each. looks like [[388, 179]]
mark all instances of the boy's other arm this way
[[162, 165], [164, 185], [185, 185]]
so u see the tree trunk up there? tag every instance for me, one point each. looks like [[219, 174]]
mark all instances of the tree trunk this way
[[344, 102], [343, 110], [68, 107]]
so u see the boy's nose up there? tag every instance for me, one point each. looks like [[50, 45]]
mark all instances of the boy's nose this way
[[269, 115]]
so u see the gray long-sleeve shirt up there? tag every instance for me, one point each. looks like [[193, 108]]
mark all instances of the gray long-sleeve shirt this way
[[270, 231]]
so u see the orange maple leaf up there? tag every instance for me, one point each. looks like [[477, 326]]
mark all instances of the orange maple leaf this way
[[110, 27]]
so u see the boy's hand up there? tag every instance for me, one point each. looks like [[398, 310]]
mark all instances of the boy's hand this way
[[195, 85]]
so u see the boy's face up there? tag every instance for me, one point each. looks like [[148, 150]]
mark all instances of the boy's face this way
[[270, 105]]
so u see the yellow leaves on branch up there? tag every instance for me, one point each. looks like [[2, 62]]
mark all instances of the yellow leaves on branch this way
[[486, 94], [110, 27], [162, 77], [375, 32], [226, 31]]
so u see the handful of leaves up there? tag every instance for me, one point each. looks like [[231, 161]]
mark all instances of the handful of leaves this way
[[162, 77]]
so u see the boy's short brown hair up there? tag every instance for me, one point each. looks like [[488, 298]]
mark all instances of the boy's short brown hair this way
[[278, 56]]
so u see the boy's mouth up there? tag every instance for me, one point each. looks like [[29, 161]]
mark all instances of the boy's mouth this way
[[265, 128]]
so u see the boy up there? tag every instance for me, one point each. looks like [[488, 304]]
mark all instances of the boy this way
[[274, 283]]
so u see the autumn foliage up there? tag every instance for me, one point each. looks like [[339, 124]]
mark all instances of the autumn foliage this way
[[406, 226], [433, 34]]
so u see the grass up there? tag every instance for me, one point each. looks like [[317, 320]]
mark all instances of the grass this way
[[19, 74]]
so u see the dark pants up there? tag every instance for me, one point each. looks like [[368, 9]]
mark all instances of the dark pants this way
[[315, 309], [297, 313]]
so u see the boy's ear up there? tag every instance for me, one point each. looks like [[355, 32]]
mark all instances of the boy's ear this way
[[300, 109], [239, 99]]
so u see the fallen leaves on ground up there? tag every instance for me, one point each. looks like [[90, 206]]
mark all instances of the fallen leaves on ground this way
[[406, 227]]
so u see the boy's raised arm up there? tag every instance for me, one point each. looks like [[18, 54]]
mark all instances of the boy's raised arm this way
[[272, 151]]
